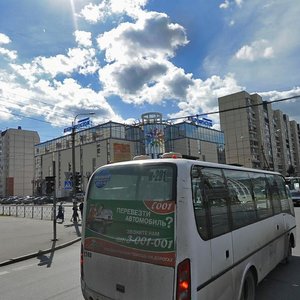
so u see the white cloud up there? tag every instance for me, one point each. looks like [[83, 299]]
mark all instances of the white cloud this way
[[257, 50], [153, 35], [289, 107], [71, 97], [141, 72], [94, 13], [4, 39], [58, 102], [131, 7], [239, 2], [82, 61], [275, 95], [83, 38], [11, 54], [202, 96], [225, 4]]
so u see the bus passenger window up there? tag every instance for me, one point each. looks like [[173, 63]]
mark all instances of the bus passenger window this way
[[217, 196], [200, 209], [241, 201], [262, 195], [279, 195]]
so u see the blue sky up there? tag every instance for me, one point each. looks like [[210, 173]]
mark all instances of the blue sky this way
[[120, 59]]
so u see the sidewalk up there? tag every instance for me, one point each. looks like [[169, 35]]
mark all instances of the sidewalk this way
[[23, 238]]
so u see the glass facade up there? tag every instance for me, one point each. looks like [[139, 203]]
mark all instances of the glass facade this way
[[188, 130], [152, 136]]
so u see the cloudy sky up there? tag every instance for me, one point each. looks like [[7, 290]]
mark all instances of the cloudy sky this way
[[122, 58]]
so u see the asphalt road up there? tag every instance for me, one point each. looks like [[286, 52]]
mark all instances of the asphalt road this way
[[283, 283], [43, 278]]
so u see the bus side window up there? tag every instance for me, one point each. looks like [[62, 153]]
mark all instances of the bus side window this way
[[274, 191], [217, 196], [282, 195], [241, 200], [200, 209], [262, 195]]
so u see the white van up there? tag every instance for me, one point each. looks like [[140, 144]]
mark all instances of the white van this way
[[182, 229]]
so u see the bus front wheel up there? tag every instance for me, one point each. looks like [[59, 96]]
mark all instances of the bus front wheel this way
[[249, 287]]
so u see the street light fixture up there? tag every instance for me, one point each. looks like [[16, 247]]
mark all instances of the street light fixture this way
[[73, 150]]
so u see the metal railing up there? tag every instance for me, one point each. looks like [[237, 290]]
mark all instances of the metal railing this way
[[41, 212]]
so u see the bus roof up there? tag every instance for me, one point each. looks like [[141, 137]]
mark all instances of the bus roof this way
[[184, 161]]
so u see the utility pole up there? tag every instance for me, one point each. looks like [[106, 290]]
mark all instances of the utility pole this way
[[73, 151], [50, 190], [73, 159]]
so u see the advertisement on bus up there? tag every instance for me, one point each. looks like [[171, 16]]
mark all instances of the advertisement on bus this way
[[135, 230]]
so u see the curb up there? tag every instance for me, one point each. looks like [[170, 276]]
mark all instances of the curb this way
[[39, 252]]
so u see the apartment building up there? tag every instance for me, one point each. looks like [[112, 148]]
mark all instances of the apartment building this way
[[112, 142], [17, 161], [257, 136]]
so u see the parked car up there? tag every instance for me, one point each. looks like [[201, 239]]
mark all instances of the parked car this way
[[295, 194]]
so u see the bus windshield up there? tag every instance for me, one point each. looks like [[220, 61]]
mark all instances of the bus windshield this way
[[134, 182]]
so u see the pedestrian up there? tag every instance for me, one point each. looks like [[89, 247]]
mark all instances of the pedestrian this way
[[75, 216], [61, 213], [81, 208]]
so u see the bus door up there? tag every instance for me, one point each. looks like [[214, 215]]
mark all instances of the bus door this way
[[217, 197], [279, 199]]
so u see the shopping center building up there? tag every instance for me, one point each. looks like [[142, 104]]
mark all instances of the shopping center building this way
[[114, 142]]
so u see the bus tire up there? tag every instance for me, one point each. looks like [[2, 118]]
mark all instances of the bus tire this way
[[289, 252], [249, 287]]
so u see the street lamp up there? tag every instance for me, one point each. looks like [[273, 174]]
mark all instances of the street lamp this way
[[73, 150]]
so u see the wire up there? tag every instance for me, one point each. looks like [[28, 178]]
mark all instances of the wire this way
[[20, 103], [235, 108], [22, 116], [177, 118]]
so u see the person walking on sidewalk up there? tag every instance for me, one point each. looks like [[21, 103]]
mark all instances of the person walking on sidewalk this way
[[61, 213], [81, 208], [75, 216]]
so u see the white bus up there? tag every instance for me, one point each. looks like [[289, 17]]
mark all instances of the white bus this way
[[182, 229]]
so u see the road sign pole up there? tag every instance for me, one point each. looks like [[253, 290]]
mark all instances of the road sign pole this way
[[54, 204]]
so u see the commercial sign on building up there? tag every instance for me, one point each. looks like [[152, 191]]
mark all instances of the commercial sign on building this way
[[121, 152], [81, 124], [201, 121]]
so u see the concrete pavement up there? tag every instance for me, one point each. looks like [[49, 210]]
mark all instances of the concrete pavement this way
[[22, 238]]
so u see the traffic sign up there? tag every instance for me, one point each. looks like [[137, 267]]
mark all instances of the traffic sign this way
[[68, 185]]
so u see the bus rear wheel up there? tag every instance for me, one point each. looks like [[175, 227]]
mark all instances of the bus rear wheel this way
[[249, 287], [289, 252]]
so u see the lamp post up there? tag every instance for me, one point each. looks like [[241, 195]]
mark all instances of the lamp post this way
[[73, 151]]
